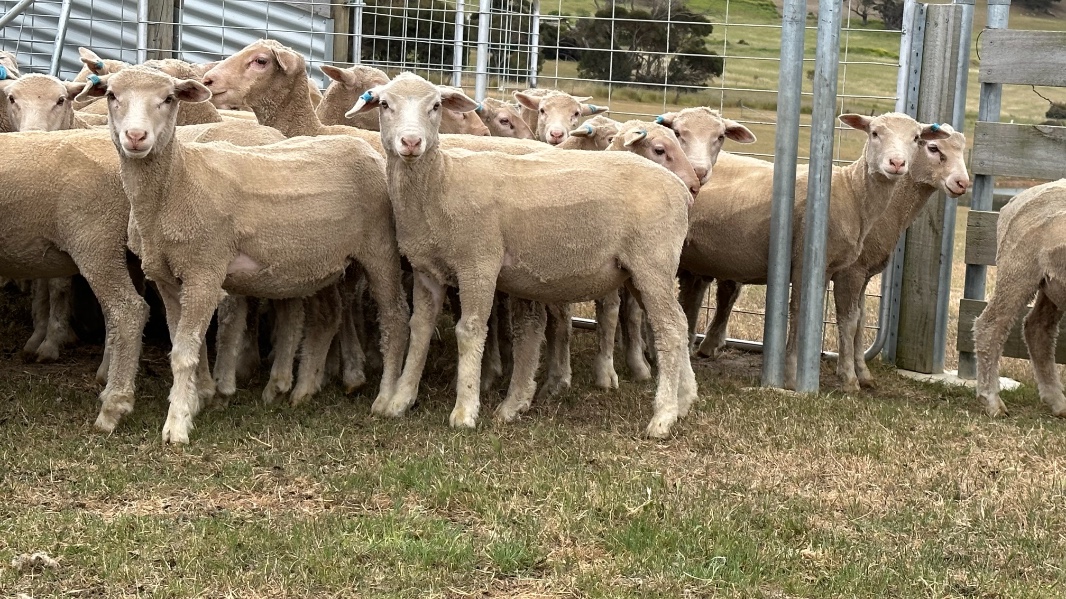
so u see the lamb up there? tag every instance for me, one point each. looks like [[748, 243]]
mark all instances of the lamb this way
[[455, 229], [593, 135], [935, 165], [730, 221], [238, 233], [552, 114], [43, 103], [502, 118], [1029, 261], [9, 70], [348, 84]]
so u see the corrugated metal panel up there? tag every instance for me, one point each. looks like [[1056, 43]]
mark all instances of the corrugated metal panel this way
[[209, 30]]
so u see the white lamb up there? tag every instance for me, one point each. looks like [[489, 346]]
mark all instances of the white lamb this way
[[565, 241]]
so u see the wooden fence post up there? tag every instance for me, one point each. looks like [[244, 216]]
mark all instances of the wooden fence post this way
[[922, 284], [162, 29], [342, 32]]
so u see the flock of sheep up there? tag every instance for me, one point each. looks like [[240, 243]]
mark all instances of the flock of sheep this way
[[353, 214]]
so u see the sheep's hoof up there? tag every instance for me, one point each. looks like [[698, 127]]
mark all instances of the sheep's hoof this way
[[850, 386], [226, 388], [995, 407], [659, 427], [354, 381], [271, 393], [47, 353], [867, 382], [176, 430], [510, 411], [299, 398], [640, 371], [1058, 407], [606, 377], [708, 353], [551, 388], [461, 419]]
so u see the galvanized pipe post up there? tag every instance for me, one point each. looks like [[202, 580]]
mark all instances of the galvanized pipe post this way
[[457, 53], [484, 25], [15, 11], [819, 182], [142, 30], [534, 44], [786, 149], [61, 38], [357, 31], [988, 110]]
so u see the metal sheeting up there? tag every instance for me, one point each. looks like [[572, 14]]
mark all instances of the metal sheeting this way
[[209, 30]]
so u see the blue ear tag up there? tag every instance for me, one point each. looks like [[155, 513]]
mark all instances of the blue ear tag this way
[[659, 120], [478, 109], [94, 80], [3, 72], [589, 129], [367, 96], [593, 108], [100, 65], [935, 126]]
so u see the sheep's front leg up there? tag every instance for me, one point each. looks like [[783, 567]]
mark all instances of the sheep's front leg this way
[[558, 341], [198, 300], [862, 371], [1041, 328], [232, 322], [352, 356], [726, 294], [693, 288], [606, 325], [39, 290], [529, 321], [428, 300], [323, 322], [476, 292], [59, 332], [847, 287], [632, 317], [288, 329], [492, 365]]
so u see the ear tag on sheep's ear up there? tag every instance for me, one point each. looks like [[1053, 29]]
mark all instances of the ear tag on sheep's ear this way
[[367, 96], [589, 129], [659, 120], [3, 72], [593, 108], [100, 65], [479, 107], [935, 127], [94, 80]]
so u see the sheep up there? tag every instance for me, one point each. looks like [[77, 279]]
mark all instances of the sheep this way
[[934, 165], [594, 134], [730, 221], [1029, 261], [9, 70], [552, 114], [502, 118], [207, 224], [456, 229]]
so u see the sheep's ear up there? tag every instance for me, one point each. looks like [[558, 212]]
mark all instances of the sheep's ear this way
[[202, 69], [342, 76], [528, 101], [583, 131], [453, 98], [633, 136], [666, 119], [190, 90], [581, 99], [737, 132], [368, 101], [936, 131], [95, 87], [287, 59], [6, 83], [92, 61], [590, 109], [73, 88], [856, 121]]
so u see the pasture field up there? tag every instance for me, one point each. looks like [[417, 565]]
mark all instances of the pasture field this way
[[906, 491]]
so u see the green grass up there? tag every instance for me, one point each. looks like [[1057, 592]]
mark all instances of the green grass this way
[[906, 491]]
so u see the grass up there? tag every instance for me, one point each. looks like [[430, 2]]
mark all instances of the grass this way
[[906, 491]]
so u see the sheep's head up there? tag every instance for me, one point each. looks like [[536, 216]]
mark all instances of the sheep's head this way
[[942, 162], [557, 113], [10, 66], [142, 106], [658, 144], [410, 113], [257, 73], [467, 123], [41, 103], [702, 132], [503, 119], [594, 134], [891, 139]]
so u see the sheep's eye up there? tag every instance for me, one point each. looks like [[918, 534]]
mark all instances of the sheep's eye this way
[[61, 101], [933, 149], [874, 135], [169, 100], [542, 111], [383, 104], [110, 95], [610, 139], [721, 137], [577, 113], [505, 122], [436, 106], [261, 61], [659, 151], [11, 99]]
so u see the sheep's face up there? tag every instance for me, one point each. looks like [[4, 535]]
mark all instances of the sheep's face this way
[[348, 85], [503, 119], [942, 162], [658, 144], [557, 113], [594, 134], [255, 74], [701, 133], [409, 109], [467, 123], [41, 103], [891, 140], [142, 106], [10, 64]]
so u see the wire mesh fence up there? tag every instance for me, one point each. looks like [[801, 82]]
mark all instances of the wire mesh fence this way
[[640, 58]]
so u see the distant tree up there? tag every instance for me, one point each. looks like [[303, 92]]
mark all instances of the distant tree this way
[[1057, 111], [863, 8], [891, 13], [1040, 6]]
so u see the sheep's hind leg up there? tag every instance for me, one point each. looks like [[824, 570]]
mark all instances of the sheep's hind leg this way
[[726, 294], [632, 317], [428, 300], [492, 364], [1041, 329], [862, 371], [39, 290], [1016, 281], [352, 356], [323, 322], [693, 288], [529, 319], [232, 321], [288, 329], [198, 302], [847, 287], [557, 334], [606, 326], [656, 293], [476, 292], [59, 332]]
